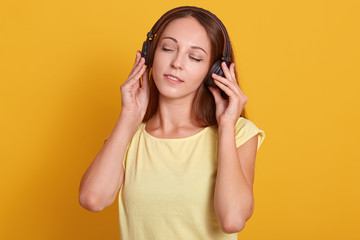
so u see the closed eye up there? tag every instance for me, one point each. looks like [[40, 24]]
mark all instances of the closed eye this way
[[196, 59], [166, 49]]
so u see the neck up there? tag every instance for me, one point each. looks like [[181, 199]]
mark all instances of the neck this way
[[173, 113]]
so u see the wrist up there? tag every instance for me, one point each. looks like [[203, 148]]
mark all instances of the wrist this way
[[226, 128], [133, 118], [124, 129], [226, 123], [128, 123]]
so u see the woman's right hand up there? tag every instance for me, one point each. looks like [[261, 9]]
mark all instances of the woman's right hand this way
[[134, 95]]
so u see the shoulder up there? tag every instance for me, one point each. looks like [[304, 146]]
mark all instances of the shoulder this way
[[246, 129], [139, 131]]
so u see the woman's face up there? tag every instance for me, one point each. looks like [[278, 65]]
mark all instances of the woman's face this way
[[182, 58]]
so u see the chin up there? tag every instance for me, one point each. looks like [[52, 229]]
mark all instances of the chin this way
[[171, 93]]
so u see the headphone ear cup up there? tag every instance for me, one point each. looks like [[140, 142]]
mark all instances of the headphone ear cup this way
[[146, 51], [215, 68]]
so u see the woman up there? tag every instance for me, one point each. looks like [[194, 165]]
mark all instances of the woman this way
[[182, 153]]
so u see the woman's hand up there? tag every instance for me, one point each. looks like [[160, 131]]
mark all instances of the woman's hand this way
[[228, 111], [134, 95]]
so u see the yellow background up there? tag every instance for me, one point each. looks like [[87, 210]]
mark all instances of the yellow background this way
[[61, 67]]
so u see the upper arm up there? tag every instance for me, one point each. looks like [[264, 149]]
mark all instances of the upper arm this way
[[247, 154]]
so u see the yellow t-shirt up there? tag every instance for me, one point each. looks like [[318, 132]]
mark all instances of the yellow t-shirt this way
[[168, 188]]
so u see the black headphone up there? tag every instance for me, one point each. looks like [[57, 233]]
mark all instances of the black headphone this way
[[216, 67]]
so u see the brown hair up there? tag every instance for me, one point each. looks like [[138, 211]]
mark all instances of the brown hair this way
[[203, 107]]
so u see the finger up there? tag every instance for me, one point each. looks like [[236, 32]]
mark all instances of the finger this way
[[232, 94], [137, 55], [226, 82], [136, 63], [216, 93], [138, 75], [140, 64], [225, 88], [137, 60], [232, 70], [136, 69], [235, 87], [135, 79], [226, 71]]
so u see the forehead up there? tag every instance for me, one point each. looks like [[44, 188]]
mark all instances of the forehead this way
[[187, 30]]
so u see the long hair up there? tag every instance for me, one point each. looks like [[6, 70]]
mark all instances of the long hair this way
[[203, 107]]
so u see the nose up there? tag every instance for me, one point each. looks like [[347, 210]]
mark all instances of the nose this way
[[177, 61]]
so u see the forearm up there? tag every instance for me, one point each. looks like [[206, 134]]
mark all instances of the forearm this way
[[233, 194], [103, 178]]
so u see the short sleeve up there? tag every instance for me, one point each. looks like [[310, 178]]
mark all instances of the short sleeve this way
[[245, 129]]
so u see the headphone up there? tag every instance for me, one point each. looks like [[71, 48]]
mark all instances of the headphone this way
[[216, 67]]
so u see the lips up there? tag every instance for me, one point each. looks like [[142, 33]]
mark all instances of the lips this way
[[173, 78]]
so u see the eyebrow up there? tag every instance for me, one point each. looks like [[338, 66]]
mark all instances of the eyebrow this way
[[193, 47]]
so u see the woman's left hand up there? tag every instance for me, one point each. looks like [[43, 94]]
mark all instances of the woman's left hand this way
[[228, 111]]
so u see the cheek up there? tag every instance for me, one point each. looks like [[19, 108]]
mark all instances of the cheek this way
[[201, 73], [156, 65], [159, 56]]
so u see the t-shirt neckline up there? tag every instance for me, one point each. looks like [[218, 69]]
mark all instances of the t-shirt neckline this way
[[174, 139]]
